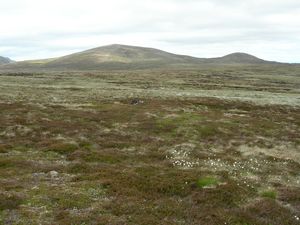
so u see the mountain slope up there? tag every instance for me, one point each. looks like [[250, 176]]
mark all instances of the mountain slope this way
[[4, 60]]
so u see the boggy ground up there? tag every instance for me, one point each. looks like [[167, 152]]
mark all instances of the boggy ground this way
[[149, 161], [215, 145]]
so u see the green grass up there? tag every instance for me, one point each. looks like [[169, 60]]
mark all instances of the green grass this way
[[271, 194], [207, 182], [207, 130]]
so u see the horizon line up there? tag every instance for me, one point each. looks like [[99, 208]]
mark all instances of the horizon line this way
[[146, 47]]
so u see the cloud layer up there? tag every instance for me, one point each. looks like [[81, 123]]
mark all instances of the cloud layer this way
[[33, 29]]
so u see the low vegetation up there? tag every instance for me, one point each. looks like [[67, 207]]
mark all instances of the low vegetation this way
[[145, 155], [269, 194], [207, 182]]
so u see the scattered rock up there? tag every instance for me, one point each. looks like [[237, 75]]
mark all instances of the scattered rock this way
[[53, 174], [38, 175], [136, 101]]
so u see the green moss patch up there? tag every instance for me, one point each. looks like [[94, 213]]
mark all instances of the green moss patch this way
[[207, 182]]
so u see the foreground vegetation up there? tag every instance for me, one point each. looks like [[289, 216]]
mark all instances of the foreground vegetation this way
[[114, 154]]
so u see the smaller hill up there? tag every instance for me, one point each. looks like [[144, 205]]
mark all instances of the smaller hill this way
[[239, 57]]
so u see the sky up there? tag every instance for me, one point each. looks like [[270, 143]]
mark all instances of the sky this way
[[34, 29]]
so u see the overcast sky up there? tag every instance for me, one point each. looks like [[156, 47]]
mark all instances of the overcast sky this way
[[269, 29]]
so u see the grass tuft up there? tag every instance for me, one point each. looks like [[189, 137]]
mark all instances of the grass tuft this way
[[207, 182], [269, 194]]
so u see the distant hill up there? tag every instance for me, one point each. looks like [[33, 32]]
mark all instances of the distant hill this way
[[4, 60], [239, 58], [120, 56], [126, 57]]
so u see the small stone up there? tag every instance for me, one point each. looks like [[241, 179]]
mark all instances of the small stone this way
[[53, 174], [136, 102], [38, 175]]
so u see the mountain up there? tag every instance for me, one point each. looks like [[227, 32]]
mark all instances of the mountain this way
[[4, 60], [239, 58], [126, 57], [118, 56]]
